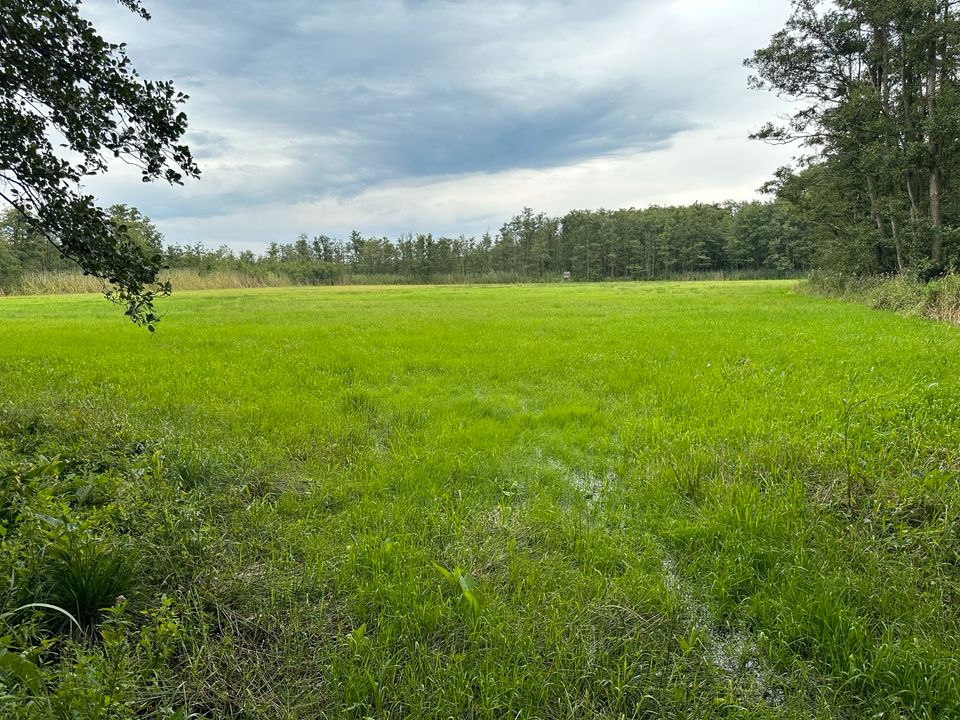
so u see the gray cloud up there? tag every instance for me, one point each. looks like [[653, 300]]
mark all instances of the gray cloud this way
[[294, 101], [208, 144]]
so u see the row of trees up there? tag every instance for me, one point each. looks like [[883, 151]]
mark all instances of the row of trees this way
[[591, 245], [876, 84]]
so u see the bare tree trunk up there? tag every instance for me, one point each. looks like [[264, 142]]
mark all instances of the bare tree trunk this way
[[936, 215], [913, 191], [895, 230], [936, 208], [875, 213], [877, 217], [907, 84]]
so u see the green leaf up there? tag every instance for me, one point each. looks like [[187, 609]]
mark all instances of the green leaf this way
[[22, 669], [448, 576], [358, 633], [51, 521], [45, 606], [469, 588]]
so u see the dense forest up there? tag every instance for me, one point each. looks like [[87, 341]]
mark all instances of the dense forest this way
[[757, 238]]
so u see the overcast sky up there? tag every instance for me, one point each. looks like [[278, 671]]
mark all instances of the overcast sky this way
[[445, 116]]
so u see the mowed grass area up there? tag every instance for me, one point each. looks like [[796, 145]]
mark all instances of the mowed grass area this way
[[696, 500]]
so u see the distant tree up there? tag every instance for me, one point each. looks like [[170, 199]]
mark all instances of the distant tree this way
[[26, 250], [10, 266], [323, 248], [355, 245], [60, 79], [137, 228], [301, 247]]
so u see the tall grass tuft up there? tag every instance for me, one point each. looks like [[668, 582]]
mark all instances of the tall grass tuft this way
[[57, 283], [223, 279], [70, 283], [84, 577]]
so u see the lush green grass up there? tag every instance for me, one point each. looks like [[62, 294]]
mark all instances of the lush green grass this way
[[578, 501]]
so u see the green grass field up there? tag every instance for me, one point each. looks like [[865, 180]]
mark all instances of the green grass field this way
[[698, 500]]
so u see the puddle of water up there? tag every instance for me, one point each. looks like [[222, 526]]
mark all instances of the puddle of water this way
[[735, 655], [591, 485]]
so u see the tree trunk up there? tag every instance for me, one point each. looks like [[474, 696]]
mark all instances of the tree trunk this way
[[875, 207], [907, 87], [913, 190], [936, 215], [895, 230], [936, 208]]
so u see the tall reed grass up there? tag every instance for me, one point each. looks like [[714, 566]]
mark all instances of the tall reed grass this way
[[67, 283], [938, 299], [56, 283]]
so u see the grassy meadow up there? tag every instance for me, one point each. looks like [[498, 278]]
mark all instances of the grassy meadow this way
[[689, 500]]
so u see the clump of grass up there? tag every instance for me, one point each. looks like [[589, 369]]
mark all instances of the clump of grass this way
[[85, 577], [464, 586], [57, 283], [75, 283], [223, 279]]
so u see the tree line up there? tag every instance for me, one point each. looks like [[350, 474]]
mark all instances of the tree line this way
[[762, 238]]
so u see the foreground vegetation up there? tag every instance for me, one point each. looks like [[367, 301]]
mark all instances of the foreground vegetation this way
[[699, 500]]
